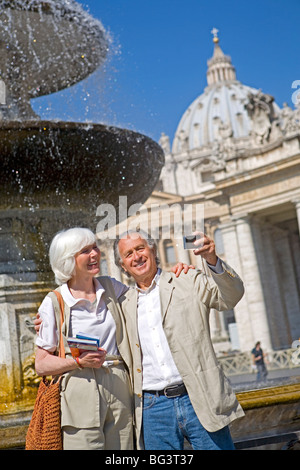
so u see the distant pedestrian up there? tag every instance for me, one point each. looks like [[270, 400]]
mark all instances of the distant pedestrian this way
[[258, 360]]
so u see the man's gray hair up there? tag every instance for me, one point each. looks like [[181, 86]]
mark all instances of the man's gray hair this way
[[145, 236]]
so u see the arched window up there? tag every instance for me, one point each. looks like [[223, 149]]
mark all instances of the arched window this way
[[169, 252]]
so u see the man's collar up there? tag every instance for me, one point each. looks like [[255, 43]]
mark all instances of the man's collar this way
[[155, 281]]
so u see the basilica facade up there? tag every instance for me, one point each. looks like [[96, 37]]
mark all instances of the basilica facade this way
[[236, 154]]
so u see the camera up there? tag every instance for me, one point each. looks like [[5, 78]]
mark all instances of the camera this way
[[188, 242]]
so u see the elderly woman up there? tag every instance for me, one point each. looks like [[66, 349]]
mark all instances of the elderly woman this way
[[96, 396]]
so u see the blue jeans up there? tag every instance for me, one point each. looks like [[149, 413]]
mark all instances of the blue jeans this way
[[167, 421], [261, 373]]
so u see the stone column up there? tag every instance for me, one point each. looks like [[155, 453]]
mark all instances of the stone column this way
[[224, 332], [288, 256], [297, 205], [295, 253], [272, 281], [250, 312], [252, 255], [232, 254]]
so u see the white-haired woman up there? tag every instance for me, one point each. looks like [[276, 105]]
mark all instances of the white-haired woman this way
[[96, 396]]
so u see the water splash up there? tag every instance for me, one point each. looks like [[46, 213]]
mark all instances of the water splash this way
[[45, 46]]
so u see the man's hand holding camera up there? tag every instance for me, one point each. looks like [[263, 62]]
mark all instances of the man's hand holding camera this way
[[202, 245]]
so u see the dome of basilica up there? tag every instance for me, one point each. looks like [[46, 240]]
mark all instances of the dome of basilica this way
[[220, 111]]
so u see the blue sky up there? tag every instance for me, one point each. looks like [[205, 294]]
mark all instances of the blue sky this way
[[158, 63]]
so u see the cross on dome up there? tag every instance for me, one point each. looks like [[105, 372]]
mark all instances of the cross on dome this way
[[220, 68], [214, 32]]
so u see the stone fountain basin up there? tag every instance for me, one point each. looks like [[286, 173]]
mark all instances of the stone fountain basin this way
[[54, 43], [50, 164]]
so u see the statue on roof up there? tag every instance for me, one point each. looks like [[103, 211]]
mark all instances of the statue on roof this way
[[261, 111]]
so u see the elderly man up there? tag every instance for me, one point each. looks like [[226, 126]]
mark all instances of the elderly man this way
[[180, 390]]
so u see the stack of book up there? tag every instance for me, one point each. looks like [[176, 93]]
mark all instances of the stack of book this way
[[83, 342]]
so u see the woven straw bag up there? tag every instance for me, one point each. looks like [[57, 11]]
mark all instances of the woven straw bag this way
[[44, 431]]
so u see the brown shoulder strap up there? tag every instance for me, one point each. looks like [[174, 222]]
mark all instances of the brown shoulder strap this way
[[61, 340]]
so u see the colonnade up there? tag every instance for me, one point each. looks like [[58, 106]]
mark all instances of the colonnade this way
[[265, 256]]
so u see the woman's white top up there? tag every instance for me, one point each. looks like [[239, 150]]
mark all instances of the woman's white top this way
[[92, 318]]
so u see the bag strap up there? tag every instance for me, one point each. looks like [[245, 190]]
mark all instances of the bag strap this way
[[61, 303]]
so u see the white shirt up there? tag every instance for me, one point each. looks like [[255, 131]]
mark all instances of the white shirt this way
[[159, 368], [88, 317]]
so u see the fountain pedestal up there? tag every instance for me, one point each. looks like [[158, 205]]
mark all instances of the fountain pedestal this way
[[18, 381]]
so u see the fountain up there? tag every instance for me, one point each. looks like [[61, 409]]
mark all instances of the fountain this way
[[53, 175]]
